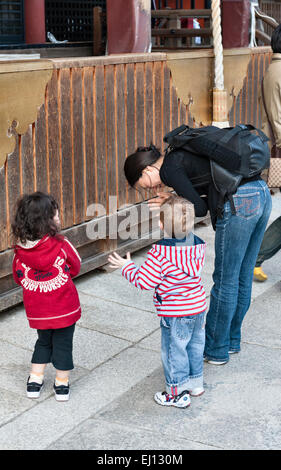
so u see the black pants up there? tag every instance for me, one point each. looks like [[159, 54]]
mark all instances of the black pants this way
[[55, 346]]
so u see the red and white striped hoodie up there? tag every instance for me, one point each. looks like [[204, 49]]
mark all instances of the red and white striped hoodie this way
[[44, 269], [173, 269]]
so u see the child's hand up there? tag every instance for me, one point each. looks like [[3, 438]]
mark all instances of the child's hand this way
[[116, 261]]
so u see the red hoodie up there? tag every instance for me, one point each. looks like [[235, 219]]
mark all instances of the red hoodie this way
[[44, 268]]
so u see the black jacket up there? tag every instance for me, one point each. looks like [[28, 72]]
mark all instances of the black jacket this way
[[190, 177]]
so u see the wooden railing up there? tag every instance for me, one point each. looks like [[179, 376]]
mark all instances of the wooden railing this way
[[267, 20], [273, 10], [169, 33]]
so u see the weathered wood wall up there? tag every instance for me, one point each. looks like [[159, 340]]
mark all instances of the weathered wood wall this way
[[246, 107], [96, 112]]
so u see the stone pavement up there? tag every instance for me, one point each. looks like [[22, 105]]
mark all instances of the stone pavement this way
[[118, 370]]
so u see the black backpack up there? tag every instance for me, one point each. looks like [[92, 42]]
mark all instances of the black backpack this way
[[234, 153]]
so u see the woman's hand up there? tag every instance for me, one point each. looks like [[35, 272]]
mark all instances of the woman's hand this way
[[157, 202], [116, 261]]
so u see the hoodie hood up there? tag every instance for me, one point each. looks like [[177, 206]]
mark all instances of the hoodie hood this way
[[187, 254], [39, 254]]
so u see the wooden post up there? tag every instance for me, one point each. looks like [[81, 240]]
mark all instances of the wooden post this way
[[34, 18], [174, 23], [128, 26], [97, 31]]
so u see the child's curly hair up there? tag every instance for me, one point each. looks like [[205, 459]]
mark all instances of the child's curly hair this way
[[35, 217]]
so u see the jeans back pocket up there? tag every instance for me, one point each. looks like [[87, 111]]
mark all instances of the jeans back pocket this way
[[247, 205], [185, 326]]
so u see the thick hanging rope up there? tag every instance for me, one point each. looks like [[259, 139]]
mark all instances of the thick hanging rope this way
[[253, 24], [217, 41]]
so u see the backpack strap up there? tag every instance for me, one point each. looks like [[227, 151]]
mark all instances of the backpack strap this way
[[167, 138], [244, 127], [220, 205], [232, 206]]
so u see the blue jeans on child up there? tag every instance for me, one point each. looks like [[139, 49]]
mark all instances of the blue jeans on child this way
[[237, 243], [182, 347]]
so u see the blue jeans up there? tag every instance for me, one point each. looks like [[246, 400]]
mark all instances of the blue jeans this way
[[237, 243], [182, 347]]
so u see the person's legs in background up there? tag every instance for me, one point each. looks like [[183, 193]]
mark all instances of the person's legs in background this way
[[271, 244]]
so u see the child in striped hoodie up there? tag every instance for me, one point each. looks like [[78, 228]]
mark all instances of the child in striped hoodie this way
[[172, 269]]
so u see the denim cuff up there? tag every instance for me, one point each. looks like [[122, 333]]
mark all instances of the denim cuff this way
[[189, 385]]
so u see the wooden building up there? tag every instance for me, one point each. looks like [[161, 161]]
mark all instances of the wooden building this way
[[67, 125]]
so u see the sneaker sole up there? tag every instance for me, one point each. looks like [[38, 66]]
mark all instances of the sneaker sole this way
[[260, 280], [34, 394], [62, 397], [215, 363]]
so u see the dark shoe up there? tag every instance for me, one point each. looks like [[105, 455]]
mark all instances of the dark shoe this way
[[33, 389], [61, 392]]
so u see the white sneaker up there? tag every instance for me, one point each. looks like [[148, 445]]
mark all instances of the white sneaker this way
[[61, 392], [215, 363], [180, 401], [196, 392]]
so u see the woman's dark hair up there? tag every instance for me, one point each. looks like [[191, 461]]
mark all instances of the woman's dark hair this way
[[138, 161], [276, 40], [34, 217]]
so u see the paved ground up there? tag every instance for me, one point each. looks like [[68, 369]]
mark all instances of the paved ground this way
[[118, 370]]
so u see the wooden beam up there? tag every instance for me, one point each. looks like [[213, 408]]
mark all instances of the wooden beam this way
[[268, 20], [205, 13], [181, 48], [181, 33], [263, 37], [97, 31]]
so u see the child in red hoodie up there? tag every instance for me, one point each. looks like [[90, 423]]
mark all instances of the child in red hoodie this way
[[44, 264]]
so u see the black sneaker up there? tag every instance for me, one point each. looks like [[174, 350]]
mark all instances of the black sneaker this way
[[61, 392], [33, 389]]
